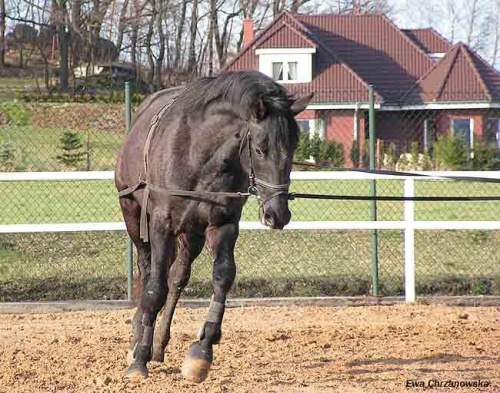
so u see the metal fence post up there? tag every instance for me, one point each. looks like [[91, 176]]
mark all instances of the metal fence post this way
[[130, 248], [373, 192]]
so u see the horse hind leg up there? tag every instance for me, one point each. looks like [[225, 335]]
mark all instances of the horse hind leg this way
[[190, 246]]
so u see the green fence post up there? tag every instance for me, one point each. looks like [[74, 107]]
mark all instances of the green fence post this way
[[373, 192], [130, 248]]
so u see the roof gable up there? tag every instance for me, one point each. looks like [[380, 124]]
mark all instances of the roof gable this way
[[461, 76], [285, 36], [374, 48], [429, 40]]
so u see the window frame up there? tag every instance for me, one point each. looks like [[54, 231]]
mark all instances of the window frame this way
[[497, 134], [471, 129], [285, 71]]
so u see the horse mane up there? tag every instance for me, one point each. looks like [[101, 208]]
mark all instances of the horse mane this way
[[243, 89]]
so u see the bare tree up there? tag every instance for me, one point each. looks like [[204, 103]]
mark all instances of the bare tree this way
[[2, 33], [191, 67]]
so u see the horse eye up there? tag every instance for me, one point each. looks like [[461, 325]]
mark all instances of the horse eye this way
[[259, 152]]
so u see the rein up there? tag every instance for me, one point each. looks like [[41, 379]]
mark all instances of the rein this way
[[253, 189]]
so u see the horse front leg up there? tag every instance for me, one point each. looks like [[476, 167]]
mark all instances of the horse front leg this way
[[200, 355], [190, 246], [153, 295]]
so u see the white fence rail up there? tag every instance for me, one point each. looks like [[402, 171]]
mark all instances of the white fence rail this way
[[408, 225]]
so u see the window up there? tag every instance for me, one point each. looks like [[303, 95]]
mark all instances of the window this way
[[285, 71], [292, 71], [463, 128], [305, 126], [492, 132], [430, 135], [278, 71]]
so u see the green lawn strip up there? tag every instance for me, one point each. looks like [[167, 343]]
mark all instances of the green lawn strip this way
[[271, 263], [36, 149], [96, 201]]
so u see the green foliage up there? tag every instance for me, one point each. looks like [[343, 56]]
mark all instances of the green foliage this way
[[451, 153], [322, 151], [7, 157], [14, 114], [415, 154], [302, 151], [486, 157], [365, 156], [315, 147], [355, 154], [332, 153], [106, 97], [70, 145]]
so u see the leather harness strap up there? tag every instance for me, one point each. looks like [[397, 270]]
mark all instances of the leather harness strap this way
[[280, 189]]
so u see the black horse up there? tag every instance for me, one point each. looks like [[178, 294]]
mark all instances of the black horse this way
[[184, 174]]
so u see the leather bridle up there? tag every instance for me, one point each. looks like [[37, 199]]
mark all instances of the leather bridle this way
[[253, 189]]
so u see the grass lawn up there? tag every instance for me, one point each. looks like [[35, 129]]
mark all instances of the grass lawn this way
[[290, 263], [96, 201], [92, 265]]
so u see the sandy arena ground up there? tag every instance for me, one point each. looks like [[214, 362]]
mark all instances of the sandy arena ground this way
[[357, 349]]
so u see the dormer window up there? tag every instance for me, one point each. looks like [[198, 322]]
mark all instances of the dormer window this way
[[285, 71], [287, 65]]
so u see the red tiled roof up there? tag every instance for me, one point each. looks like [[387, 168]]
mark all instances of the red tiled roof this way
[[460, 76], [429, 40], [286, 37], [354, 51], [333, 80]]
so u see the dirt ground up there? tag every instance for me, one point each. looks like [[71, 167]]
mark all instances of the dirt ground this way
[[356, 349]]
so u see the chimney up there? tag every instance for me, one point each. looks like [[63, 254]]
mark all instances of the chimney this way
[[248, 27]]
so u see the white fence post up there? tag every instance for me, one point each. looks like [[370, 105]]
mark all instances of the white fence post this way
[[409, 244]]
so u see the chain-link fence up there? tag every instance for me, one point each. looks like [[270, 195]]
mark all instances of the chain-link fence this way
[[78, 133]]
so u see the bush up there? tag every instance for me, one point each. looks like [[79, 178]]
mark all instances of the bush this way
[[451, 153], [355, 154], [323, 152], [486, 157], [302, 151], [7, 157], [15, 114], [70, 145], [365, 156], [389, 157]]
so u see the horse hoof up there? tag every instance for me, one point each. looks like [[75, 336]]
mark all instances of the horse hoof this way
[[158, 356], [197, 363], [136, 371]]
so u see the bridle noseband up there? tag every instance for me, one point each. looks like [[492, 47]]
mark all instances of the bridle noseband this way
[[254, 181]]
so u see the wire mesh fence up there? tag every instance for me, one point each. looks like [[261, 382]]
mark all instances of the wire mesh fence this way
[[85, 134]]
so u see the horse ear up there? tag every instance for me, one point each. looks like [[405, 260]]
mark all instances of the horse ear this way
[[259, 110], [301, 104]]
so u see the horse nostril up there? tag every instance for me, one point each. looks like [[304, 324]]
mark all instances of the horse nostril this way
[[267, 217]]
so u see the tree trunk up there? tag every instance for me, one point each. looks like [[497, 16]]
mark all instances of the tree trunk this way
[[121, 26], [210, 43], [178, 38], [149, 50], [192, 44], [472, 21], [76, 23], [64, 52], [161, 51], [2, 33]]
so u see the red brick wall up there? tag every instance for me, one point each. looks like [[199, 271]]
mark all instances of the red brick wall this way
[[339, 126]]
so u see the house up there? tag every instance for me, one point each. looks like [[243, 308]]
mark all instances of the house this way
[[424, 86]]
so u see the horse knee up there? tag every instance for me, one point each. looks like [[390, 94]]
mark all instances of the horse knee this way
[[153, 297]]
